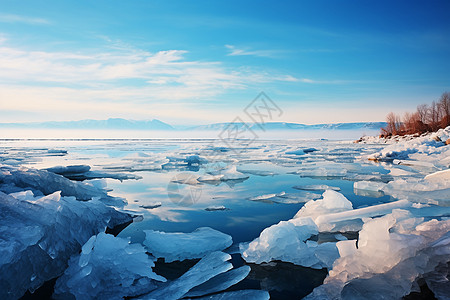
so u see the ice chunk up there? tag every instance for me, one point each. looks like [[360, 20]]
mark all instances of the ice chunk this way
[[232, 174], [332, 202], [208, 267], [174, 246], [440, 175], [257, 172], [220, 283], [346, 248], [209, 177], [392, 252], [243, 294], [69, 170], [108, 267], [322, 172], [151, 205], [299, 197], [45, 182], [317, 187], [287, 241], [195, 160], [38, 236], [431, 191], [215, 208], [372, 186], [57, 151], [332, 221], [267, 196], [296, 152]]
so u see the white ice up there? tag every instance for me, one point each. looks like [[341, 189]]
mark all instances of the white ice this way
[[108, 267], [39, 234], [174, 246]]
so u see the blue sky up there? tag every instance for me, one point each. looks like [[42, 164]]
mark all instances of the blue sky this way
[[198, 62]]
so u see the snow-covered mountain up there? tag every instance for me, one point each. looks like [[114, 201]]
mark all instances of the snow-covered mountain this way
[[294, 126], [119, 123], [111, 123]]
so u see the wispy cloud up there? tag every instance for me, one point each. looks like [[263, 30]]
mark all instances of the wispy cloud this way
[[161, 68], [236, 51], [126, 82], [10, 18]]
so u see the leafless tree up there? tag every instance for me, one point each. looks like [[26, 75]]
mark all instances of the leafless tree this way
[[394, 124], [426, 118], [444, 108], [423, 111], [434, 116]]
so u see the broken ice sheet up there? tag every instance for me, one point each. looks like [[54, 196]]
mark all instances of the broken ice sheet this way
[[220, 282], [39, 234], [317, 187], [392, 252], [216, 208], [208, 267], [44, 182], [174, 246], [243, 294], [108, 268]]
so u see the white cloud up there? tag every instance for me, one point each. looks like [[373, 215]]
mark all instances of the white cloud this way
[[122, 82], [10, 18], [235, 51]]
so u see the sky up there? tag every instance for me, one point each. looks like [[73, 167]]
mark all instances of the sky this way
[[200, 62]]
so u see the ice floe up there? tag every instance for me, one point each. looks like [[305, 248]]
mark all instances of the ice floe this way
[[174, 246], [108, 268], [39, 234]]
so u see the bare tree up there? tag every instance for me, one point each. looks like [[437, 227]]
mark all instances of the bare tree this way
[[426, 118], [434, 116], [394, 124], [444, 108], [423, 111]]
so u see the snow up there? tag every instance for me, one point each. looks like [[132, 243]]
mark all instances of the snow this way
[[429, 145], [174, 246], [108, 268], [39, 234]]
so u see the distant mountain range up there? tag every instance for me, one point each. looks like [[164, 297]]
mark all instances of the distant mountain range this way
[[112, 123], [123, 124], [295, 126]]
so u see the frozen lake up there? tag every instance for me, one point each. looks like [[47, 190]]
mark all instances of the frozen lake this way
[[242, 188], [169, 197]]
